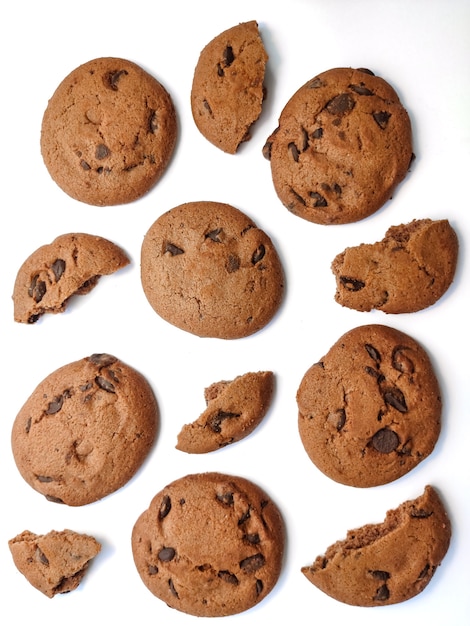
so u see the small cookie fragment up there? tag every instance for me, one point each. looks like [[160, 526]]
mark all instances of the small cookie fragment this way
[[370, 409], [108, 132], [387, 563], [234, 410], [227, 92], [85, 430], [71, 265], [210, 544], [209, 270], [342, 146], [409, 270], [56, 562]]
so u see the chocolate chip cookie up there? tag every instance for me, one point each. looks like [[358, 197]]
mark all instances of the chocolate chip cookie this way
[[342, 146], [209, 270], [228, 86], [55, 562], [381, 564], [71, 265], [234, 410], [85, 430], [370, 409], [409, 270], [210, 545], [108, 132]]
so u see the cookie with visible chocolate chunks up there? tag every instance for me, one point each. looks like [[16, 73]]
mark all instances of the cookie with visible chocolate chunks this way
[[387, 563], [409, 270], [210, 544], [234, 410], [228, 91], [342, 146], [71, 265], [55, 562], [85, 430], [370, 409], [108, 132], [209, 270]]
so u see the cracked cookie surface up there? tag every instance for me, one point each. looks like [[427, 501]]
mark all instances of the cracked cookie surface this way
[[370, 409], [227, 92], [208, 269], [342, 146], [387, 563], [210, 544], [409, 270], [234, 410], [85, 430], [55, 562], [108, 132], [71, 265]]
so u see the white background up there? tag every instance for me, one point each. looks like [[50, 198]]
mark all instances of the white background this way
[[422, 48]]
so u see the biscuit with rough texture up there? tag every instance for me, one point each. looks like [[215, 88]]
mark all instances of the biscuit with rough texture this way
[[227, 92], [409, 270], [387, 563], [234, 410], [85, 430], [71, 265], [56, 562], [370, 409], [208, 269], [210, 545], [342, 146], [108, 132]]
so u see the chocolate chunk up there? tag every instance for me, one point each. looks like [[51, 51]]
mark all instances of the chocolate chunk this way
[[319, 200], [214, 235], [258, 254], [382, 118], [37, 289], [373, 352], [385, 441], [172, 249], [101, 151], [352, 284], [252, 563], [55, 405], [401, 361], [225, 498], [340, 105], [361, 89], [228, 577], [111, 79], [58, 268], [104, 384], [165, 507], [394, 397], [167, 554], [217, 420], [229, 57], [383, 593], [233, 263]]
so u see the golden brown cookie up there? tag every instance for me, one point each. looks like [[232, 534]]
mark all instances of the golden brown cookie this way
[[370, 409], [210, 544], [108, 132], [409, 270], [228, 86], [71, 265], [85, 430], [209, 270], [342, 146], [55, 562], [234, 410], [381, 564]]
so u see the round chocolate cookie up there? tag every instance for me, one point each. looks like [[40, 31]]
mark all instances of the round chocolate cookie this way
[[210, 545], [342, 146], [71, 265], [369, 411], [108, 132], [227, 92], [409, 270], [207, 269], [85, 430], [381, 564]]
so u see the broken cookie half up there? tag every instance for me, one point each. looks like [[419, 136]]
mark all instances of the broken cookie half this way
[[388, 563], [55, 562], [71, 265], [234, 410]]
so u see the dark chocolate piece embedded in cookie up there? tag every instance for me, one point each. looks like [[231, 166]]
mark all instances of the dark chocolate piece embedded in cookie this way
[[85, 430], [210, 545], [409, 270], [370, 409], [342, 146], [234, 410], [227, 91], [108, 132], [208, 269], [387, 563], [71, 265], [55, 562]]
